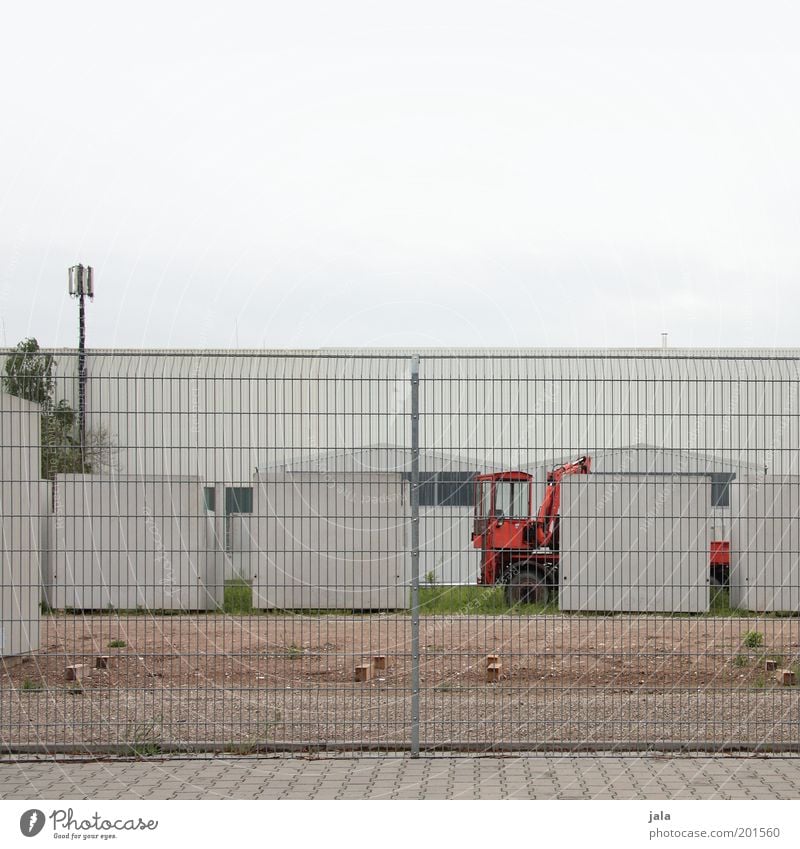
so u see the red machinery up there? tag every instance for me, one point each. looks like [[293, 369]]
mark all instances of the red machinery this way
[[522, 552], [518, 550]]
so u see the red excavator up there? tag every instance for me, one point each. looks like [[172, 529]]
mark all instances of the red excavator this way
[[517, 550], [521, 552]]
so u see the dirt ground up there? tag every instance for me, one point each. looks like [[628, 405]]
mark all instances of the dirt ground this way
[[267, 679]]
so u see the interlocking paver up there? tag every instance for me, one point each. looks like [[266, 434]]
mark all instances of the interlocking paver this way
[[540, 777]]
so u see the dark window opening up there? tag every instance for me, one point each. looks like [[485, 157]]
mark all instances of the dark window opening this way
[[238, 499], [445, 489], [721, 489]]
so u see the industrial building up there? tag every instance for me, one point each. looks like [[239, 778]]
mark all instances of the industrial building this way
[[291, 470], [219, 415]]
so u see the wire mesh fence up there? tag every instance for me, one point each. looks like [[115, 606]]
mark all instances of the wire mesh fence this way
[[390, 552]]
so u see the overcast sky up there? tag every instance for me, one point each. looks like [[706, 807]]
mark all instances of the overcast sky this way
[[302, 174]]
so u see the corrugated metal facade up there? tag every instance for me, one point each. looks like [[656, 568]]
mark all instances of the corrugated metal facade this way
[[219, 415]]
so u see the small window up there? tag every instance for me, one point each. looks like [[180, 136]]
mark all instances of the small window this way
[[209, 498], [238, 499], [445, 489], [427, 490], [456, 489], [721, 489]]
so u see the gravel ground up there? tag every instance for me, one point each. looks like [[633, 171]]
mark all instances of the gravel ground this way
[[270, 679]]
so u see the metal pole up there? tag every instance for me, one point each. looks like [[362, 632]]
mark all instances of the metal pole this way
[[82, 372], [415, 557]]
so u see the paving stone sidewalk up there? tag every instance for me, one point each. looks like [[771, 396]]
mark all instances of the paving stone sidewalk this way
[[539, 777]]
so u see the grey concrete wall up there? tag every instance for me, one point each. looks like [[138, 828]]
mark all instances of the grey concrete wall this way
[[313, 542], [20, 577], [132, 542], [765, 544], [637, 544]]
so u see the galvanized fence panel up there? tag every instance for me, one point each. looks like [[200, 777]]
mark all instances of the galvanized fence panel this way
[[381, 552]]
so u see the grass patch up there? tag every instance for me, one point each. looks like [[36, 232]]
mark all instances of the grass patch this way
[[720, 604], [238, 596], [30, 685], [117, 644], [753, 639], [741, 660], [295, 652], [476, 600], [144, 738]]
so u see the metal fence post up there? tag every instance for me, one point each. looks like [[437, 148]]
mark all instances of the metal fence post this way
[[415, 557]]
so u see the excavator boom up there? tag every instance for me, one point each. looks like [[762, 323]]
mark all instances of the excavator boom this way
[[547, 518]]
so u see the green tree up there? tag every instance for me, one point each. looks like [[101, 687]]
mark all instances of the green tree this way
[[29, 375]]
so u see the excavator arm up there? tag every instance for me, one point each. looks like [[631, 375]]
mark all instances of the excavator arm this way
[[547, 518]]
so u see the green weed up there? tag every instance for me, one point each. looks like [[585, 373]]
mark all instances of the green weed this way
[[753, 639], [237, 597]]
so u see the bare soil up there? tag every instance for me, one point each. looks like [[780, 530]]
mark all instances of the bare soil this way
[[249, 680]]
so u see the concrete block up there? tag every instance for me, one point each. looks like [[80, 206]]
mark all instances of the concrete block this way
[[493, 671], [74, 672]]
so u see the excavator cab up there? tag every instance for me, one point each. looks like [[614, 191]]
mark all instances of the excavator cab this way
[[502, 513], [520, 548]]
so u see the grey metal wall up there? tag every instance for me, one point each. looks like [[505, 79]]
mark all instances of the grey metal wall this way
[[323, 542], [765, 555], [221, 414], [129, 543], [634, 544], [22, 503], [20, 553], [20, 453]]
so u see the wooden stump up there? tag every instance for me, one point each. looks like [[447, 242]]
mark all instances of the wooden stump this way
[[770, 665], [74, 673], [786, 677], [492, 659], [379, 661], [101, 661], [363, 672], [493, 671]]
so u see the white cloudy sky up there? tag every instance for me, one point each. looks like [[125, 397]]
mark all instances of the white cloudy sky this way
[[419, 173]]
